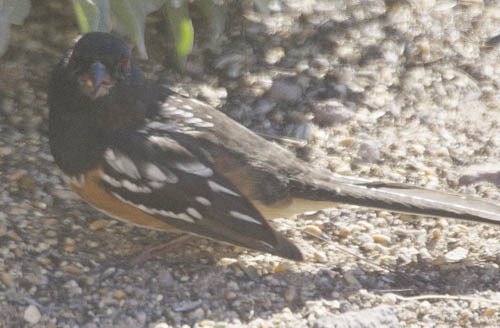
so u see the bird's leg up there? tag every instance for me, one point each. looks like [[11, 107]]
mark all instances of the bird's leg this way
[[149, 252]]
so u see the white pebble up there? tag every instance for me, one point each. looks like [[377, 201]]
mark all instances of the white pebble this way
[[32, 314], [456, 255]]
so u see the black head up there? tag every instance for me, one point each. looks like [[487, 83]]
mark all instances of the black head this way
[[95, 94], [101, 46], [100, 61]]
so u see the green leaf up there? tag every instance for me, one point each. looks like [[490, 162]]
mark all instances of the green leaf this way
[[11, 12], [152, 5], [181, 28], [185, 43], [87, 15], [131, 16], [104, 23], [214, 15]]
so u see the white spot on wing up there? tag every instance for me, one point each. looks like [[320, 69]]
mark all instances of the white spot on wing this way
[[121, 163], [154, 173], [165, 213], [244, 217], [176, 99], [135, 187], [160, 126], [194, 213], [156, 184], [196, 168], [205, 124], [203, 201], [180, 112], [153, 211], [112, 181], [184, 216], [160, 141], [143, 208], [168, 107], [78, 180], [194, 120], [220, 188], [187, 107]]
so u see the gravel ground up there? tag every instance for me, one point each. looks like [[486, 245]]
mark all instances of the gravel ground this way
[[405, 91]]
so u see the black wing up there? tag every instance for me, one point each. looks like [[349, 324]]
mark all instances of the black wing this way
[[153, 172]]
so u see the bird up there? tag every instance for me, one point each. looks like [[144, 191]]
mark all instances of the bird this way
[[146, 155]]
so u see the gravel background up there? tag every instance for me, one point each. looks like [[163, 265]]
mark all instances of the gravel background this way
[[405, 91]]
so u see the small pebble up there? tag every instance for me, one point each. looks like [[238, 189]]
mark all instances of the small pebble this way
[[290, 293], [343, 233], [165, 278], [436, 233], [119, 294], [70, 268], [389, 298], [274, 55], [331, 112], [320, 257], [285, 91], [456, 255], [346, 142], [382, 239], [313, 230], [369, 153], [27, 182], [40, 205], [230, 295], [197, 314], [282, 267], [187, 306], [443, 223], [97, 225], [227, 261], [32, 314], [351, 279], [424, 307], [6, 279], [161, 325], [489, 312], [207, 323]]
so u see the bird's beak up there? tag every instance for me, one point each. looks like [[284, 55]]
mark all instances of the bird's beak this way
[[96, 73], [96, 82]]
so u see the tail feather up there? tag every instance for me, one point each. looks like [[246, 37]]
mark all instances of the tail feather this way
[[401, 198]]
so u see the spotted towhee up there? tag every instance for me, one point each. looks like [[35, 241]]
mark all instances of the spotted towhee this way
[[149, 156]]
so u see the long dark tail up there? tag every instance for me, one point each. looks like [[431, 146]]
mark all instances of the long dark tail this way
[[398, 197]]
